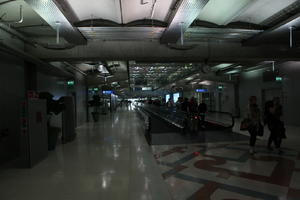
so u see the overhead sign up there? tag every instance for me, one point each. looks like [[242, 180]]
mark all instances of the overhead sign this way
[[71, 83], [201, 90], [107, 92]]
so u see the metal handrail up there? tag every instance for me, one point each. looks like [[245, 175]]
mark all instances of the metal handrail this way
[[226, 113]]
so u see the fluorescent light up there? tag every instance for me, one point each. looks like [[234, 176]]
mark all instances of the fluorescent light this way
[[189, 79], [233, 71], [221, 66], [205, 83], [146, 88]]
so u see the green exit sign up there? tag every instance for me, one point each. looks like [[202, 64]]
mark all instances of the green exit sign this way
[[71, 83], [278, 78]]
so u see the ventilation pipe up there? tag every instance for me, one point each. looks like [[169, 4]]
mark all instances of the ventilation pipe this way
[[57, 32], [291, 36], [181, 33], [153, 9]]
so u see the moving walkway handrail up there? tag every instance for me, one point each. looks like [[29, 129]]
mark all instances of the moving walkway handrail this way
[[225, 113], [177, 117]]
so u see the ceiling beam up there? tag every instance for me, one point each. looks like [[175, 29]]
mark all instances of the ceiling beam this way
[[277, 34], [51, 13], [186, 13]]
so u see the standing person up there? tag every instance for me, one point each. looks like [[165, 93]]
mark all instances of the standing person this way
[[270, 121], [170, 103], [193, 106], [276, 125], [179, 103], [253, 114], [202, 109], [193, 112], [185, 105]]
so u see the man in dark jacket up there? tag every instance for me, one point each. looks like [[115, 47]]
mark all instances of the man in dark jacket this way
[[273, 114]]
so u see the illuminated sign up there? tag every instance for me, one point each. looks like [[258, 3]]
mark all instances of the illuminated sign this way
[[96, 89], [278, 78], [107, 92], [71, 83], [201, 90]]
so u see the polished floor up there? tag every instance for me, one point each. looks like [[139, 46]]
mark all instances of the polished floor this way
[[109, 160], [112, 160]]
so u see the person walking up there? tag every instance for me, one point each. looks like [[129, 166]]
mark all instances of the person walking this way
[[253, 114], [275, 124]]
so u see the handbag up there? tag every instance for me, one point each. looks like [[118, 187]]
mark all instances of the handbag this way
[[245, 124]]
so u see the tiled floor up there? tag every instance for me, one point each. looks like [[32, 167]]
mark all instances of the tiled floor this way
[[109, 160], [213, 171]]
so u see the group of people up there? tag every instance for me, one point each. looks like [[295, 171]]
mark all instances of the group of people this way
[[271, 118], [191, 107]]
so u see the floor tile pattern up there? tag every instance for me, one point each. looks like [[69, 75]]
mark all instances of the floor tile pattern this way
[[228, 171]]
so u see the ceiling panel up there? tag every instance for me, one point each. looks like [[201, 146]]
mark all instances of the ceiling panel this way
[[260, 10], [222, 12], [96, 9], [134, 9], [122, 33]]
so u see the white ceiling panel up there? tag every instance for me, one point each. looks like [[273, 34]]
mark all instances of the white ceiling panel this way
[[97, 9], [222, 12], [135, 10], [260, 10]]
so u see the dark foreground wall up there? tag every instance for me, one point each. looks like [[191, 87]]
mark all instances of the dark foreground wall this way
[[12, 92], [14, 82]]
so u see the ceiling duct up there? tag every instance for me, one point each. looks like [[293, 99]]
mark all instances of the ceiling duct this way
[[18, 21], [280, 33], [185, 14], [49, 11]]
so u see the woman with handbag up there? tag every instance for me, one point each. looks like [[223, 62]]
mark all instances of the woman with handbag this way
[[255, 128]]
